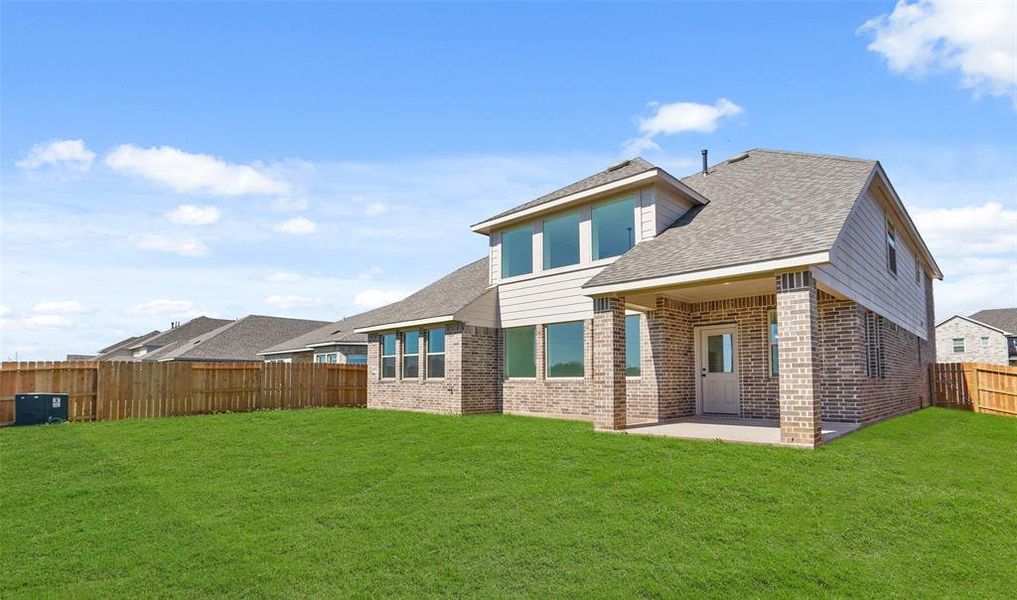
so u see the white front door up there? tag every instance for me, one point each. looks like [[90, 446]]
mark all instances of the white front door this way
[[716, 357]]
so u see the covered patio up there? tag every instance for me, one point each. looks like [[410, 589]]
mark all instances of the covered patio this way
[[731, 429]]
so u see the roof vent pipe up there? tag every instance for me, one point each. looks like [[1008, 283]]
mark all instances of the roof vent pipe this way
[[705, 169]]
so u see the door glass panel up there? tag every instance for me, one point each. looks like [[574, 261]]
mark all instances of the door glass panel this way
[[720, 353]]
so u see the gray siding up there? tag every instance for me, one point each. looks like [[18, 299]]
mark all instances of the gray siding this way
[[548, 299], [669, 208], [858, 268], [482, 312]]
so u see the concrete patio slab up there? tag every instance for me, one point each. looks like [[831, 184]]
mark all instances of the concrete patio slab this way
[[731, 429]]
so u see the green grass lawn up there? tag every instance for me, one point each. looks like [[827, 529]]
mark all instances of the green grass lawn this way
[[340, 502]]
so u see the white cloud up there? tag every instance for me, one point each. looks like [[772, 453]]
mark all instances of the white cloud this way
[[289, 204], [46, 322], [375, 209], [4, 310], [975, 39], [186, 172], [162, 306], [370, 273], [292, 301], [188, 214], [296, 226], [988, 228], [283, 277], [679, 117], [71, 154], [161, 243], [376, 298], [66, 307]]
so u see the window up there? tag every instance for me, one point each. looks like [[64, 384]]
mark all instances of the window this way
[[958, 344], [874, 345], [356, 359], [388, 356], [436, 353], [561, 241], [517, 251], [520, 352], [891, 248], [985, 340], [771, 325], [633, 357], [327, 358], [720, 353], [614, 228], [565, 349], [411, 354]]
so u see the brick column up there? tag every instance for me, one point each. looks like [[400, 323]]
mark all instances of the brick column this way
[[609, 363], [799, 360]]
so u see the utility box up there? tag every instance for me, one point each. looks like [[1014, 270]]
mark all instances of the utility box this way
[[39, 407]]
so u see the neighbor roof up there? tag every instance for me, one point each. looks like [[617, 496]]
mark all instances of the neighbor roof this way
[[188, 330], [237, 340], [1004, 319], [446, 296], [764, 205], [339, 332], [121, 348]]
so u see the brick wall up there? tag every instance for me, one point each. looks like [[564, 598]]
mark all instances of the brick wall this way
[[609, 402], [800, 359], [904, 386], [842, 357], [419, 394], [481, 370]]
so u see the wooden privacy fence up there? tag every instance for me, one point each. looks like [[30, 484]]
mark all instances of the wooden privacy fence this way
[[124, 390], [980, 387]]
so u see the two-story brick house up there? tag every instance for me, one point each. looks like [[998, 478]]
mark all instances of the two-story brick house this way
[[775, 285]]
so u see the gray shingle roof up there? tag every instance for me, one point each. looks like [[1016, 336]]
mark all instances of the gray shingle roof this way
[[1000, 318], [188, 330], [770, 204], [634, 166], [339, 332], [120, 349], [443, 297], [237, 340]]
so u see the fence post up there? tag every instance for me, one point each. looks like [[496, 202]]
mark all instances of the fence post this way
[[971, 384]]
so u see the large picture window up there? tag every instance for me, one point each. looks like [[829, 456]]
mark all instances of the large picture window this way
[[520, 352], [633, 358], [614, 228], [517, 251], [436, 353], [565, 349], [411, 354], [771, 330], [388, 356], [561, 241]]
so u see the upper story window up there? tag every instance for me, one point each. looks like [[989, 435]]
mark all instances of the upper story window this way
[[985, 340], [958, 344], [614, 228], [891, 247], [388, 356], [517, 251], [411, 354], [436, 353], [561, 241]]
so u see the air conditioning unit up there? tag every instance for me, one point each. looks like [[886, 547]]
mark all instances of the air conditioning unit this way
[[39, 407]]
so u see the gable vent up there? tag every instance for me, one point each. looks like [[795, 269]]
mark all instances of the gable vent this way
[[619, 164]]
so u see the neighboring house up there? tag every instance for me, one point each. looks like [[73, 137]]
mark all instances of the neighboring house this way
[[79, 357], [335, 343], [177, 332], [239, 340], [988, 336], [121, 350], [775, 285]]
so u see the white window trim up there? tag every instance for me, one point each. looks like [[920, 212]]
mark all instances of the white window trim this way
[[394, 356], [429, 354], [402, 372], [963, 345]]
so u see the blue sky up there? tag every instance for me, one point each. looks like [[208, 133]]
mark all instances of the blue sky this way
[[160, 161]]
